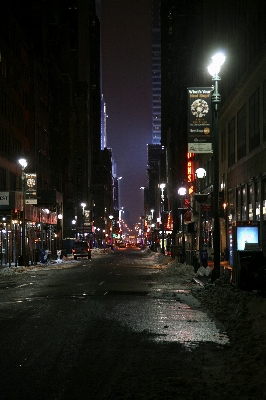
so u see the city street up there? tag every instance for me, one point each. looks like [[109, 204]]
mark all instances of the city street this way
[[101, 329]]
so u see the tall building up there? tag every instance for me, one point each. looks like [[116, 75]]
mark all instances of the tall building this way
[[237, 29], [156, 73], [103, 124], [50, 114], [154, 152]]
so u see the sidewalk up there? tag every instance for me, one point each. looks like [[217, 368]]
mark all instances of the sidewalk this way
[[5, 269]]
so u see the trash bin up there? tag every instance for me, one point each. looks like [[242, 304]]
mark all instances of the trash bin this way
[[196, 264], [204, 258], [37, 255], [20, 261], [43, 256]]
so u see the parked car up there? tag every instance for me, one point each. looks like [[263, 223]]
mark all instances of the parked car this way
[[81, 249]]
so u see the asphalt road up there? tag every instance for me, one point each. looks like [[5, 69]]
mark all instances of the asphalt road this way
[[92, 332]]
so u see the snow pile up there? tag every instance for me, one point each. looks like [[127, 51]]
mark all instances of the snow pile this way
[[99, 251], [176, 272], [11, 271], [243, 316], [14, 271]]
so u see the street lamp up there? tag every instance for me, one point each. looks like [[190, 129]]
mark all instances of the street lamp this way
[[182, 193], [214, 69], [200, 198], [162, 186], [111, 230], [83, 205], [74, 227], [23, 164], [143, 188]]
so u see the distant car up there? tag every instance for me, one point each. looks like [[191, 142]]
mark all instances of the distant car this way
[[81, 249], [128, 245], [121, 245]]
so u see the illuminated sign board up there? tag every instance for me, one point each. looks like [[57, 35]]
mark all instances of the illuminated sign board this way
[[199, 120], [190, 173]]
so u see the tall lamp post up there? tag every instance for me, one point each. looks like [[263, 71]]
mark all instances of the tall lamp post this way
[[200, 198], [23, 164], [162, 186], [214, 69], [182, 193], [152, 230], [111, 230], [83, 205]]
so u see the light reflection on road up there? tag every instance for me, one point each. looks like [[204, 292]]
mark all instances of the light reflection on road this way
[[169, 321]]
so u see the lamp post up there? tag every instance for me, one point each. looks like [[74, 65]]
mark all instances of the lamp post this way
[[214, 70], [143, 188], [182, 193], [200, 198], [162, 186], [152, 230], [74, 227], [83, 205], [111, 230], [23, 164]]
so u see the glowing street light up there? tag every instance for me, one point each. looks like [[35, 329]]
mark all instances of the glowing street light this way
[[162, 187], [23, 164], [214, 69], [182, 191], [200, 198], [83, 205]]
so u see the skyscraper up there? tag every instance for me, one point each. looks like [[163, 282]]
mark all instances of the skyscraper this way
[[156, 73]]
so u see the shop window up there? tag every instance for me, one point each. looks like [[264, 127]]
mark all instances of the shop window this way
[[243, 204], [263, 196], [250, 202], [264, 210], [257, 200], [257, 211]]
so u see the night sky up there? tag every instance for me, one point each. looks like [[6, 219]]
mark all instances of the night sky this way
[[126, 87]]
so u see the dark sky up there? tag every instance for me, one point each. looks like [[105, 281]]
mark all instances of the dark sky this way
[[126, 86]]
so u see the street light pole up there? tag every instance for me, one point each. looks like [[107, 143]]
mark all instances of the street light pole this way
[[111, 231], [83, 205], [182, 193], [200, 198], [162, 186], [214, 70], [23, 164]]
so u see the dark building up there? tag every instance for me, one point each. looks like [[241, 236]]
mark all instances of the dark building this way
[[154, 153], [51, 112], [190, 36], [156, 73]]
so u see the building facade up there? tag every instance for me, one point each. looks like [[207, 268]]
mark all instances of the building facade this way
[[156, 73], [238, 30], [51, 116]]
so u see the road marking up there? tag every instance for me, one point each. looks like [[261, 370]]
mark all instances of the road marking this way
[[101, 283]]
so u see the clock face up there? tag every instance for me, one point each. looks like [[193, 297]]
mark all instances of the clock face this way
[[31, 182], [199, 108]]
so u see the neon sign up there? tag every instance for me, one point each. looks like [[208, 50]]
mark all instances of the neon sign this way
[[190, 172]]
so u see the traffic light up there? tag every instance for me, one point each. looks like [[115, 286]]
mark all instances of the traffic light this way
[[16, 214]]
